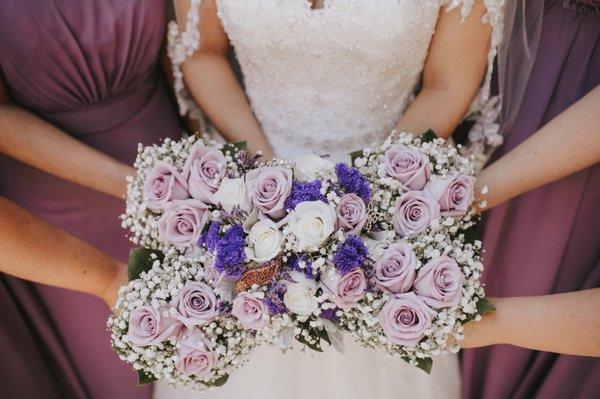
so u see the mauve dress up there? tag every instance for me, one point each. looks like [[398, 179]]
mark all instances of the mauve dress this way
[[548, 240], [91, 68]]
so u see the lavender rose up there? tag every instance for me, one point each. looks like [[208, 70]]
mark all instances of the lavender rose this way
[[267, 188], [250, 311], [414, 212], [163, 184], [407, 166], [395, 269], [182, 222], [149, 325], [454, 193], [440, 282], [344, 290], [405, 318], [194, 354], [204, 170], [351, 213], [195, 304]]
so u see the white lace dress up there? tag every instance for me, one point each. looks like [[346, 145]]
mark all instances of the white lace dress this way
[[330, 81]]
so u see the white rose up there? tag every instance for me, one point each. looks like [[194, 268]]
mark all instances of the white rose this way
[[232, 192], [309, 165], [300, 299], [264, 241], [312, 223]]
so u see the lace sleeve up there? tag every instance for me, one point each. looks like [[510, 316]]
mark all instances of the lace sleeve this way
[[485, 135], [181, 45]]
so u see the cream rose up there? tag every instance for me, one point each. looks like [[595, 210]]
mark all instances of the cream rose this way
[[264, 241], [300, 299], [231, 193], [312, 223], [308, 166]]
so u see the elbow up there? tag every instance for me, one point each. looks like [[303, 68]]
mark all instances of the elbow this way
[[454, 86]]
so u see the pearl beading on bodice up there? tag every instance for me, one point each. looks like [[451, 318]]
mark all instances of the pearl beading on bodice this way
[[329, 80], [336, 79]]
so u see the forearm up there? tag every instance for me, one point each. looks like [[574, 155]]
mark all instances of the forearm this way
[[568, 143], [440, 110], [33, 141], [453, 72], [563, 323], [34, 250], [211, 81]]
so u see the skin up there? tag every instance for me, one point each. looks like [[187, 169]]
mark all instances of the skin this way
[[567, 144], [566, 323], [33, 141], [453, 72], [32, 249]]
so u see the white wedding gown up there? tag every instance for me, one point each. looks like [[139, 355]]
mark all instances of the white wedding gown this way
[[328, 81]]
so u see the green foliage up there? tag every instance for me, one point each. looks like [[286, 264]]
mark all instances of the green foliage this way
[[140, 261], [428, 136], [234, 148], [485, 306], [318, 334], [425, 364], [218, 382], [144, 378], [355, 155]]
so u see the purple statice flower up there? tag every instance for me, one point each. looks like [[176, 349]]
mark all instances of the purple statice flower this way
[[293, 263], [302, 192], [210, 238], [230, 257], [352, 181], [329, 314], [350, 255], [224, 308], [274, 298]]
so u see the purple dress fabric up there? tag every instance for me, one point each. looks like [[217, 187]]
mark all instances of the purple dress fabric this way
[[548, 240], [90, 68]]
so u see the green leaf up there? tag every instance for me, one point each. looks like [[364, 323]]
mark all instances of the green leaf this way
[[471, 234], [144, 378], [354, 155], [218, 382], [313, 346], [140, 261], [428, 136], [234, 148], [425, 364], [485, 306], [322, 333]]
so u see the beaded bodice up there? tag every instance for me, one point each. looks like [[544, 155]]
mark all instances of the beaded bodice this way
[[328, 80]]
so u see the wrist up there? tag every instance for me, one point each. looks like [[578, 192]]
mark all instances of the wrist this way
[[120, 179], [117, 280], [493, 324]]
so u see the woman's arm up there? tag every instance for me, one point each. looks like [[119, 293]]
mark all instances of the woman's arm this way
[[33, 141], [562, 323], [454, 69], [568, 143], [211, 81], [33, 250]]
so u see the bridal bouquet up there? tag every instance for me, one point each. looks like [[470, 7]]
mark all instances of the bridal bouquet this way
[[237, 253]]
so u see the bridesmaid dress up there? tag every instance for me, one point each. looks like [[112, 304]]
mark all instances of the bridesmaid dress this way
[[90, 68], [548, 240]]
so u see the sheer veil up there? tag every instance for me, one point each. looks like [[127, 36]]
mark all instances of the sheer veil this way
[[522, 30]]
